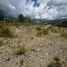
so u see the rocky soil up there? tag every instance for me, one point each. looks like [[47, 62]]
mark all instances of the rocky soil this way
[[40, 50]]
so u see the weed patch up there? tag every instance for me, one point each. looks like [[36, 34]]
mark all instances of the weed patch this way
[[5, 32], [20, 49]]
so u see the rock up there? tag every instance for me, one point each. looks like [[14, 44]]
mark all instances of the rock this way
[[6, 58], [50, 44]]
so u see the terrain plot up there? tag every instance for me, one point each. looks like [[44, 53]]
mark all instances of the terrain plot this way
[[33, 46]]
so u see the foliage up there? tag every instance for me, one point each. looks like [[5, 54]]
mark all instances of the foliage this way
[[45, 31], [5, 32], [42, 31], [39, 34], [21, 62], [20, 49], [1, 43], [64, 35], [55, 29], [56, 59], [1, 15], [38, 28], [55, 63], [21, 18]]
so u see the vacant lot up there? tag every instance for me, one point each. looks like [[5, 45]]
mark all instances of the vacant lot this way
[[33, 46]]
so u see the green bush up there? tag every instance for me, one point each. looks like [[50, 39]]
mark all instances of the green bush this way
[[38, 28]]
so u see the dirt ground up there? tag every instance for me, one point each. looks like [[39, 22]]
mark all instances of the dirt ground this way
[[40, 50]]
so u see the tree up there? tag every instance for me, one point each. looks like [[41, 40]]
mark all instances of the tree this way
[[21, 17], [2, 15]]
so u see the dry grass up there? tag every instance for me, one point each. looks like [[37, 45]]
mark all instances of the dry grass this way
[[55, 63], [64, 35], [1, 43], [39, 34], [45, 31], [55, 29], [38, 29], [20, 49], [21, 62], [5, 32], [42, 32]]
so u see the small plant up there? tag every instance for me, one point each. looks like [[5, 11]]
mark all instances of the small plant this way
[[20, 49], [56, 63], [56, 59], [64, 35], [21, 62], [1, 43], [45, 31], [42, 32], [38, 28], [5, 32], [39, 34], [55, 29]]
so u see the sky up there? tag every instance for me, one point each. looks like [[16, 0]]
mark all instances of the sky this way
[[44, 9]]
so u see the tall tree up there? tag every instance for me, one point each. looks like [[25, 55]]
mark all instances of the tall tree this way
[[21, 17], [1, 15]]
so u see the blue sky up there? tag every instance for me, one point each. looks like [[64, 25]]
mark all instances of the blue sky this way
[[45, 9]]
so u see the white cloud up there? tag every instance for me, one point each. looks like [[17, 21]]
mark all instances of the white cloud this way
[[47, 9], [11, 6]]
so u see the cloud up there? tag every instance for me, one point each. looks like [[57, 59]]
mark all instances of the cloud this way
[[44, 9]]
